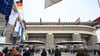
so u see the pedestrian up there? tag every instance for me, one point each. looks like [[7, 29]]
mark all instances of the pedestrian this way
[[82, 53], [9, 52], [51, 52], [32, 51], [14, 51], [5, 51], [27, 52], [57, 51], [18, 54], [44, 53], [1, 54], [98, 52]]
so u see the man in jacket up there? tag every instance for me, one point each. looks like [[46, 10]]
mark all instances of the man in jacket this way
[[57, 51]]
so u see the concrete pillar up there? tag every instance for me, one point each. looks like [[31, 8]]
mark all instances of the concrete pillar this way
[[92, 40], [76, 37], [50, 41]]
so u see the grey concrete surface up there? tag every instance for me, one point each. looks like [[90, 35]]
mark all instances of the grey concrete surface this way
[[62, 54]]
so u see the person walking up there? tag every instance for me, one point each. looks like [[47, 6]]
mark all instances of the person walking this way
[[5, 51], [57, 51], [15, 52], [32, 51], [51, 52], [44, 53], [82, 53], [27, 52]]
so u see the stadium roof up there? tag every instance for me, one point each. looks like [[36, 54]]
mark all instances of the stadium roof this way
[[2, 18], [63, 23]]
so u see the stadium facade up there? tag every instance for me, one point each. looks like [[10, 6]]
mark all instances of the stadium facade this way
[[52, 33]]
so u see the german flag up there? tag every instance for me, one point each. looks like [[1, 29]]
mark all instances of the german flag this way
[[20, 5]]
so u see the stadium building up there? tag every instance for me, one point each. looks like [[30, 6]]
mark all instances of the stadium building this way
[[53, 33]]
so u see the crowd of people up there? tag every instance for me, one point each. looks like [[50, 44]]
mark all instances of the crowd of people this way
[[56, 52], [12, 52], [16, 51]]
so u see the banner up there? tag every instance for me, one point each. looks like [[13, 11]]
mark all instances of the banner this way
[[49, 3]]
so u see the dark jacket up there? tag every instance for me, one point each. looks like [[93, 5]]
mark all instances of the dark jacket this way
[[44, 53], [82, 53], [27, 53], [57, 52], [5, 50]]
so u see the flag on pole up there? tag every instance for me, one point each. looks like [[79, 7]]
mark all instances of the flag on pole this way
[[40, 20], [24, 35], [78, 20], [59, 20], [49, 3], [21, 37], [10, 19], [22, 31], [13, 17], [17, 26], [19, 30], [6, 6], [20, 6]]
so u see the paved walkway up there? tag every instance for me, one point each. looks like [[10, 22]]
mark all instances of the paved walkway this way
[[62, 54]]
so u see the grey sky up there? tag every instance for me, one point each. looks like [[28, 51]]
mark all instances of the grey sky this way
[[67, 10]]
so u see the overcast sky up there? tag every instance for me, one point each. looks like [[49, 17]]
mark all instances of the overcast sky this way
[[67, 10]]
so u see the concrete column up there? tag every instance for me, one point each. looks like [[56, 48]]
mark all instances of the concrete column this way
[[50, 41], [92, 40], [76, 37]]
